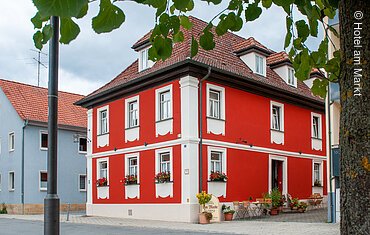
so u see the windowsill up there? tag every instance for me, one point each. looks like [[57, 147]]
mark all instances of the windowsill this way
[[82, 190], [218, 119], [43, 189], [82, 152], [276, 130], [142, 70], [316, 138], [11, 190], [132, 184], [260, 74], [103, 134], [11, 150], [133, 127], [164, 120], [317, 186], [44, 149], [215, 181], [102, 186], [164, 182]]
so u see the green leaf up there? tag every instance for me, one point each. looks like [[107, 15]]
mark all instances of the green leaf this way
[[37, 39], [266, 3], [194, 47], [206, 41], [313, 27], [62, 8], [184, 5], [185, 22], [288, 38], [319, 87], [83, 11], [297, 43], [252, 12], [154, 3], [36, 21], [289, 23], [330, 12], [302, 29], [216, 2], [68, 30], [163, 47], [283, 3], [110, 17], [47, 32], [179, 37], [235, 4]]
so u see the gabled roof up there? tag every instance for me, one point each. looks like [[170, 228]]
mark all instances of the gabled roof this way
[[222, 57], [31, 103], [277, 58]]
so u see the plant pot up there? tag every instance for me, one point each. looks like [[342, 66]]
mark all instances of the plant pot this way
[[274, 211], [203, 219], [294, 208], [301, 210], [228, 216]]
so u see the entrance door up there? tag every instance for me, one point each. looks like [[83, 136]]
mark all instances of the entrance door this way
[[277, 175]]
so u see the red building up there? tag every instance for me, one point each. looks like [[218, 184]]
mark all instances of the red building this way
[[237, 109]]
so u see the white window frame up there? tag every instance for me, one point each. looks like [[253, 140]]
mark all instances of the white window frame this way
[[98, 162], [127, 111], [318, 116], [223, 152], [281, 124], [221, 90], [79, 183], [285, 172], [11, 140], [321, 172], [79, 139], [259, 58], [9, 181], [291, 80], [127, 164], [158, 93], [42, 188], [144, 59], [158, 153], [41, 133], [99, 111], [214, 162]]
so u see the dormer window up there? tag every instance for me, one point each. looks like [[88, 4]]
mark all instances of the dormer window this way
[[144, 62], [292, 80], [260, 65]]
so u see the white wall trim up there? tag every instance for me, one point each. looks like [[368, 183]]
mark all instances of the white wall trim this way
[[40, 139], [9, 188], [285, 172], [11, 148], [42, 171], [79, 178], [207, 142]]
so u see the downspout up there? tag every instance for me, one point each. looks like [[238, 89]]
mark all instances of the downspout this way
[[22, 166], [201, 129], [332, 213]]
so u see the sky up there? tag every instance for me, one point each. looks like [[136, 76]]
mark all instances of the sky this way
[[92, 60]]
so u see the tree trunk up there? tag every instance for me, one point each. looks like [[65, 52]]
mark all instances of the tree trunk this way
[[355, 121]]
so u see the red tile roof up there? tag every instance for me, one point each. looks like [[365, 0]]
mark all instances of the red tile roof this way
[[277, 58], [31, 103], [222, 57]]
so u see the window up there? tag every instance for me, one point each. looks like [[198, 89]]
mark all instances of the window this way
[[291, 78], [43, 140], [214, 104], [260, 65], [216, 161], [132, 166], [43, 180], [165, 162], [103, 169], [11, 141], [276, 118], [133, 117], [316, 172], [103, 122], [315, 127], [165, 105], [82, 144], [82, 182], [11, 181], [144, 59]]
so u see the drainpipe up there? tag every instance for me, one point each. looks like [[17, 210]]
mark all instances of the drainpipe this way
[[332, 213], [201, 129], [22, 166]]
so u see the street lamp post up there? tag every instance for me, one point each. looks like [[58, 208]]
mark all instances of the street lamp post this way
[[51, 201]]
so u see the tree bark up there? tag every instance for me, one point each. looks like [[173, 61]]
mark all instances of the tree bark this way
[[354, 121]]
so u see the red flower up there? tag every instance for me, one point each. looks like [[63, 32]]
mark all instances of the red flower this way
[[130, 179], [217, 176], [162, 177], [102, 182]]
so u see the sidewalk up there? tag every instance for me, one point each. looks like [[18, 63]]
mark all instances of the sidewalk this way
[[233, 227]]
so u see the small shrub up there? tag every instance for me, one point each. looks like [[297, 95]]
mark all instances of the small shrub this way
[[3, 209]]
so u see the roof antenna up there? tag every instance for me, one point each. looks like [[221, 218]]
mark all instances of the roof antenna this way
[[38, 61]]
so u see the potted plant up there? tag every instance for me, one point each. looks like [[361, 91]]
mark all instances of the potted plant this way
[[275, 196], [102, 182], [163, 177], [250, 198], [130, 179], [294, 204], [217, 176], [203, 198], [317, 183], [302, 206], [228, 212]]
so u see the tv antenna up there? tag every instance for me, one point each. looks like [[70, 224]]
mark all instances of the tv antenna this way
[[38, 61]]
